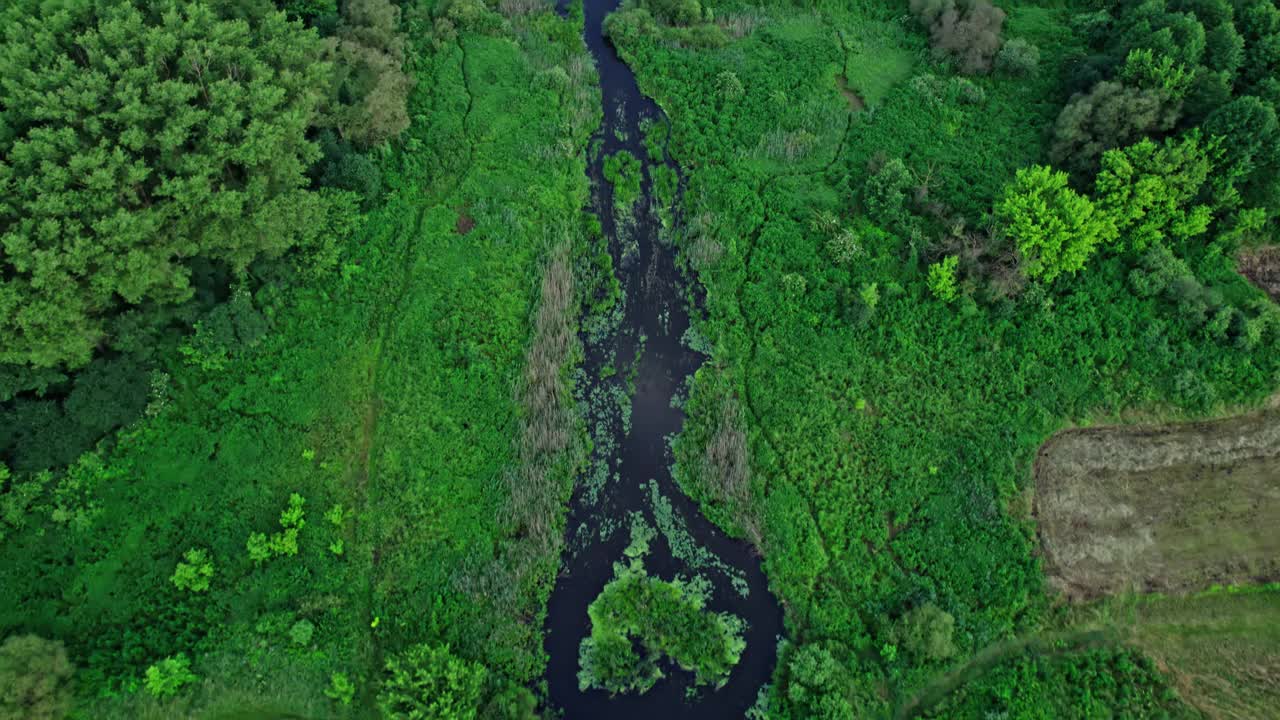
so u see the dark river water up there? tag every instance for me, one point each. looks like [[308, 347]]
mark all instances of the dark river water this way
[[646, 344]]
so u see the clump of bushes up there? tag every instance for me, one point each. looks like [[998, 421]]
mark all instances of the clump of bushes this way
[[667, 619], [967, 31], [292, 518], [35, 679]]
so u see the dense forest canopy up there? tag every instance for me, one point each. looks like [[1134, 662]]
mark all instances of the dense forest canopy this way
[[298, 301], [139, 139]]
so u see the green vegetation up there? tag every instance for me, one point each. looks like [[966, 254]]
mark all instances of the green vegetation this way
[[416, 375], [888, 452], [668, 620], [1093, 683], [622, 170], [262, 257]]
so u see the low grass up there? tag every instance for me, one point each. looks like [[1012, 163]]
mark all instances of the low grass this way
[[1220, 648], [878, 59]]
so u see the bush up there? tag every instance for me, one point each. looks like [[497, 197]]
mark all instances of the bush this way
[[1018, 57], [428, 682], [167, 677], [966, 30], [35, 679]]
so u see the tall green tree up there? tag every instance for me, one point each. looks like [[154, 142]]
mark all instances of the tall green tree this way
[[370, 87], [1250, 133], [1054, 228], [136, 137], [1149, 190], [35, 679]]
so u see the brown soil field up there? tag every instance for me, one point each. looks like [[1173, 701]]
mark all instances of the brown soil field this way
[[1262, 267], [1170, 508]]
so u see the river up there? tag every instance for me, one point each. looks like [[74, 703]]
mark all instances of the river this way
[[645, 344]]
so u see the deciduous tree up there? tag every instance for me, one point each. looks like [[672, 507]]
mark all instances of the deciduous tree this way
[[1054, 228], [35, 679], [135, 137]]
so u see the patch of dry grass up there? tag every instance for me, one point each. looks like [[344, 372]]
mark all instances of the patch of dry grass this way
[[1173, 508]]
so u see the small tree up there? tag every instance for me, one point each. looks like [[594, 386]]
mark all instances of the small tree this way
[[35, 679], [942, 278], [926, 632], [1054, 228], [167, 677], [1149, 190], [1018, 57], [966, 30], [371, 88], [887, 195], [844, 246], [194, 572], [428, 682], [1109, 115]]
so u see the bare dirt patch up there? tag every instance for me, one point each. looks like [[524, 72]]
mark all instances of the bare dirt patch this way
[[1262, 267], [856, 103], [465, 223], [1169, 508]]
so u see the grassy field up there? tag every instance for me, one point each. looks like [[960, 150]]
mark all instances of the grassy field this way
[[1222, 650]]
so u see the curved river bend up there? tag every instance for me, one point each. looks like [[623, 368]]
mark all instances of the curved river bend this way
[[646, 344]]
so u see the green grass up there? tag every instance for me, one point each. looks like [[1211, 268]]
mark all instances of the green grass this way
[[879, 59], [1221, 649]]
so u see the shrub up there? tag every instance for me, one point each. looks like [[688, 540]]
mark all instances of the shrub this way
[[194, 572], [35, 679], [1018, 57], [966, 30], [168, 676], [428, 682]]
